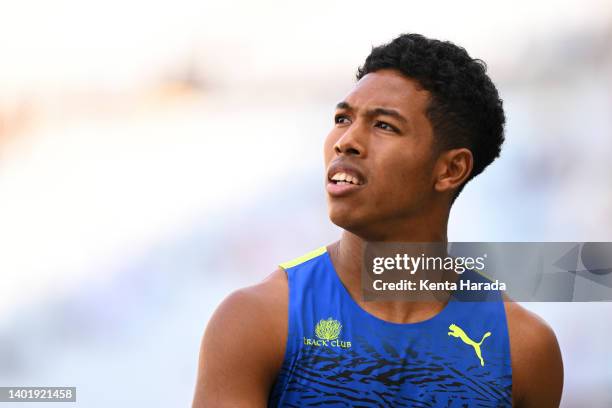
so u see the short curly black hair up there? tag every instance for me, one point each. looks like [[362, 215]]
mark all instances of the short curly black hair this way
[[464, 108]]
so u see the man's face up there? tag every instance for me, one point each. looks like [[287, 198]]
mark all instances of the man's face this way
[[379, 156]]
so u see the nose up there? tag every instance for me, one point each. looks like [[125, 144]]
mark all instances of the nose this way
[[350, 143]]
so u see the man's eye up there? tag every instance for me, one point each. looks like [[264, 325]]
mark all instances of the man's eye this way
[[386, 126], [341, 120]]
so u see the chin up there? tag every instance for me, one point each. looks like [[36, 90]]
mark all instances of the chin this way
[[348, 220], [341, 215]]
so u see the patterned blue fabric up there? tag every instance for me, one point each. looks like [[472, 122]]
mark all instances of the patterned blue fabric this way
[[339, 355]]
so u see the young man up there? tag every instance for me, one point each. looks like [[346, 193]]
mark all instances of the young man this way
[[422, 120]]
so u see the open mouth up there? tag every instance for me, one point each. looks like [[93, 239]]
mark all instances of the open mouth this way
[[342, 178]]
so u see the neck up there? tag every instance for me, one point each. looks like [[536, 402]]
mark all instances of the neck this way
[[346, 255], [428, 226]]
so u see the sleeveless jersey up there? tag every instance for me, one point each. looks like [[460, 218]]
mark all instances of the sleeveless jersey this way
[[339, 355]]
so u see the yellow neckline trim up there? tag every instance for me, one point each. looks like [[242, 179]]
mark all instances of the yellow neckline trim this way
[[301, 259]]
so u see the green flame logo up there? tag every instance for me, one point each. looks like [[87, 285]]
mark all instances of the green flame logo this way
[[328, 329]]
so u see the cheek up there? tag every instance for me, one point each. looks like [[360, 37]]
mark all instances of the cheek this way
[[402, 179]]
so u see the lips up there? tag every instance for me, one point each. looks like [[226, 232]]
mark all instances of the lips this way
[[343, 179]]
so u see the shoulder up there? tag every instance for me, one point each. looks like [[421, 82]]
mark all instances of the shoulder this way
[[257, 313], [536, 359], [243, 345], [265, 296]]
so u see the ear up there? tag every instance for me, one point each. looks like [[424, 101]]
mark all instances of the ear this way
[[452, 168]]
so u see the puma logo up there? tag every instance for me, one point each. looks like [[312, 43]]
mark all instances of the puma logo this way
[[457, 331]]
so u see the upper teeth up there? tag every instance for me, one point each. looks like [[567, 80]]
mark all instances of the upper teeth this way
[[345, 177]]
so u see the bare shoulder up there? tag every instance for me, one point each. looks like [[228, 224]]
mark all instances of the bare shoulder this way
[[537, 366], [243, 345], [266, 299], [258, 311]]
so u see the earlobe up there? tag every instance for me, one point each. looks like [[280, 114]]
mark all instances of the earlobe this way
[[453, 168]]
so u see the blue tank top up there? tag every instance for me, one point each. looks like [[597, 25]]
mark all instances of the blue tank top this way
[[339, 355]]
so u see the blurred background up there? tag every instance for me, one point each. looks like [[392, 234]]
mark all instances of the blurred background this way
[[155, 156]]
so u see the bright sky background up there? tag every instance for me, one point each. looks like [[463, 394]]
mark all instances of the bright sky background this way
[[122, 44]]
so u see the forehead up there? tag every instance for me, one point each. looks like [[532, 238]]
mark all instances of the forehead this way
[[389, 89]]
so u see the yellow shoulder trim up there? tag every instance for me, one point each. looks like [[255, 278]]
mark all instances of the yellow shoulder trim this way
[[303, 258]]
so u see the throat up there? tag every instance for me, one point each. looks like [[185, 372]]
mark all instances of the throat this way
[[347, 257]]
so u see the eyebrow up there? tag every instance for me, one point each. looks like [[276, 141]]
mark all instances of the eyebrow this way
[[375, 112]]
